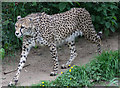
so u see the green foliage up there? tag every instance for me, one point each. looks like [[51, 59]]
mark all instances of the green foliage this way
[[103, 68], [2, 53], [113, 81], [105, 17], [9, 40]]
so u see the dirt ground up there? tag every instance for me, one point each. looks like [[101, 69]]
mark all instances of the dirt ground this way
[[41, 62]]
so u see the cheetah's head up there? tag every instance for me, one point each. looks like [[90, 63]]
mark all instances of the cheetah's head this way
[[23, 26]]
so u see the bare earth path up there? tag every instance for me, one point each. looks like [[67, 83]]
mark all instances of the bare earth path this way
[[41, 62]]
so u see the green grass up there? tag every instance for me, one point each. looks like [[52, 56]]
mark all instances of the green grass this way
[[2, 53], [103, 68]]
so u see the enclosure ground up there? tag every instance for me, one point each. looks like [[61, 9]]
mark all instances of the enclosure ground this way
[[41, 62]]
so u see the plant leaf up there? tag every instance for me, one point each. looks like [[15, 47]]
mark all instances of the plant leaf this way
[[78, 3], [62, 6], [115, 17], [107, 24], [93, 18], [112, 29], [106, 32]]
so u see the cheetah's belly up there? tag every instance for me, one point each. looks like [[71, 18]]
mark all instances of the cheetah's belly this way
[[41, 41], [68, 38], [59, 41], [73, 36]]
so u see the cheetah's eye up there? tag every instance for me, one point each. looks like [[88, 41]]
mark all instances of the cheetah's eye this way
[[22, 27], [15, 26]]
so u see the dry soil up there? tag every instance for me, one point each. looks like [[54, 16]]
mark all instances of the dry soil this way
[[41, 62]]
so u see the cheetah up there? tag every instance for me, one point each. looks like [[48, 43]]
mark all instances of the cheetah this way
[[52, 31]]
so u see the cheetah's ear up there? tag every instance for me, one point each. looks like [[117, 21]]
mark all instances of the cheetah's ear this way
[[18, 17]]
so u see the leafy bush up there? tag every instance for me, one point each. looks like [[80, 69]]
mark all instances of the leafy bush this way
[[103, 68], [105, 16], [2, 53]]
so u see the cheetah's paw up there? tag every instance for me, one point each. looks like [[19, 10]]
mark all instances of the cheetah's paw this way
[[65, 66], [53, 74], [13, 83]]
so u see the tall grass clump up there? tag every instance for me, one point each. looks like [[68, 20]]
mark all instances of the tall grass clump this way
[[103, 68]]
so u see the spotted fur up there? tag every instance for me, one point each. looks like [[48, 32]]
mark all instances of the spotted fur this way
[[54, 30]]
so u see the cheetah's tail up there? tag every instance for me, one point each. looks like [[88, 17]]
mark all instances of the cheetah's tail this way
[[100, 34]]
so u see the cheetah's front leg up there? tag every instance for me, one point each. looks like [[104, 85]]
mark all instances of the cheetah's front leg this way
[[25, 50], [53, 51], [73, 54]]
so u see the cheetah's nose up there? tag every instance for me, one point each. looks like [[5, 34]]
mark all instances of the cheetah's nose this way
[[17, 33]]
